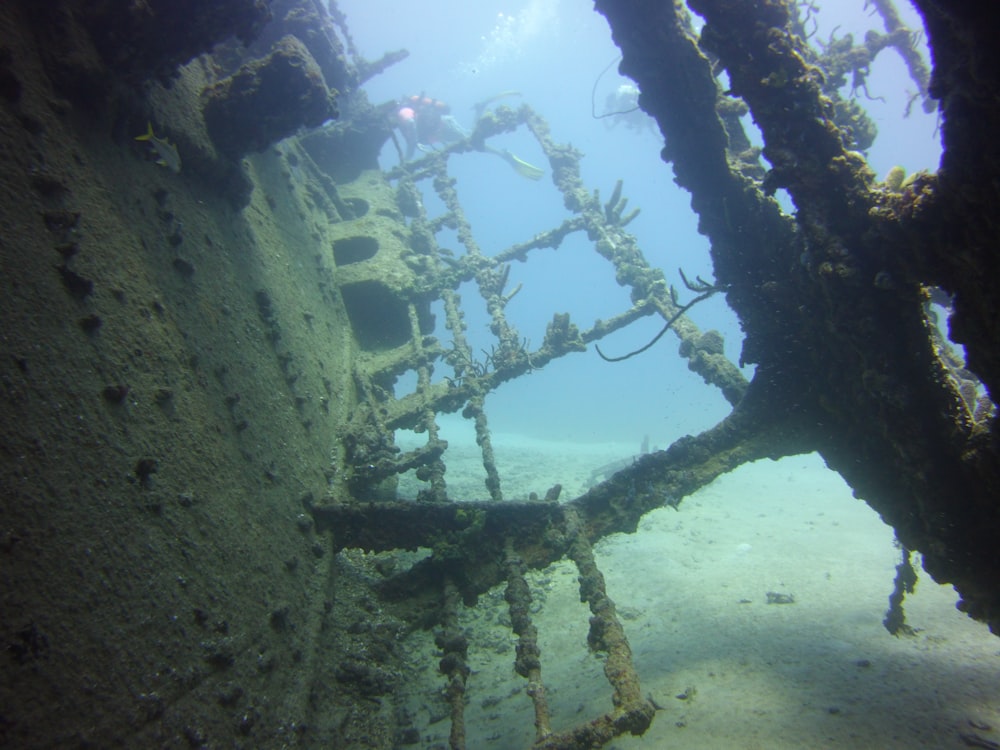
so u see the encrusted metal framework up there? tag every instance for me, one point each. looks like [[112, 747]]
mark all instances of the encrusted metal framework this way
[[834, 306], [478, 545], [372, 457]]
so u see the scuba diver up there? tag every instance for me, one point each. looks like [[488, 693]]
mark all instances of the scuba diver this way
[[424, 122], [622, 105]]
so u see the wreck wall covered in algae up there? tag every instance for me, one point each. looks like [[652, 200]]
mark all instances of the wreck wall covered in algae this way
[[174, 377], [198, 327]]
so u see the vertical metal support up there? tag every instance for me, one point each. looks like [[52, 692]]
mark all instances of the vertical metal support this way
[[632, 713], [455, 647], [477, 413], [433, 473], [528, 661]]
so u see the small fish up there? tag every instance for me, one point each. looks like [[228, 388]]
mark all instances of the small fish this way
[[164, 151]]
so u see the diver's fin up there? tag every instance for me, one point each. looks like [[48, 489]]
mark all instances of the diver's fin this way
[[148, 135], [522, 167]]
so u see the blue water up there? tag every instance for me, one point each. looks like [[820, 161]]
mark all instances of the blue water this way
[[553, 52]]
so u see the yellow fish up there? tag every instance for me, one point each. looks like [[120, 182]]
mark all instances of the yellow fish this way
[[164, 151]]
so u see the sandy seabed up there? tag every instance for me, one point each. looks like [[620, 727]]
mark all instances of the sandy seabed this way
[[729, 669]]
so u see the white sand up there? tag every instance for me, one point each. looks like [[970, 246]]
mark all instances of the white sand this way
[[691, 587]]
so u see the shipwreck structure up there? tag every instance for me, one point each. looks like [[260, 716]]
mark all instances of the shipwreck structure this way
[[198, 435]]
